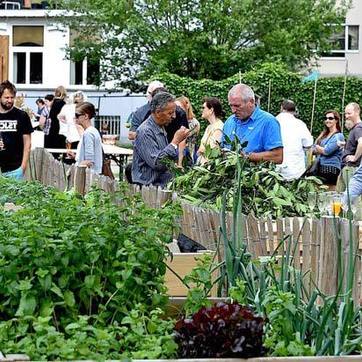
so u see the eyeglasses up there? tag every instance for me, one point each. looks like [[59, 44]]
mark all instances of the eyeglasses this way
[[329, 118], [77, 115]]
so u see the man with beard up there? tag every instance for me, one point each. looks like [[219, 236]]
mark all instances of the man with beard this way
[[15, 134]]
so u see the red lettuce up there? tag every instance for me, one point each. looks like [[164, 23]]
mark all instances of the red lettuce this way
[[224, 330]]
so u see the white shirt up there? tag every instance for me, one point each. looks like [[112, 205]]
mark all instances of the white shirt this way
[[295, 136], [67, 126]]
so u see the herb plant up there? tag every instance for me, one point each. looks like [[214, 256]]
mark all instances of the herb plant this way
[[74, 269]]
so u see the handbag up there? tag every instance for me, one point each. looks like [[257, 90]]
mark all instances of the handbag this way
[[313, 169], [106, 168]]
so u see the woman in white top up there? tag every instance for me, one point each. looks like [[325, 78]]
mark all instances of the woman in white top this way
[[89, 151], [67, 126], [212, 111]]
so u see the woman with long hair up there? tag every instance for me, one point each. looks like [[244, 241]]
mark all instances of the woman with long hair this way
[[327, 149], [194, 127], [211, 111]]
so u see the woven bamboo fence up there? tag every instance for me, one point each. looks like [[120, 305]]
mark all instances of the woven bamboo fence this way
[[314, 241]]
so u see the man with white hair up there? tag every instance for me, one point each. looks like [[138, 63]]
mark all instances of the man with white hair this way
[[142, 113], [250, 124]]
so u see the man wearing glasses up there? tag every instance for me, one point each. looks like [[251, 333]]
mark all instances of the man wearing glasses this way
[[250, 124]]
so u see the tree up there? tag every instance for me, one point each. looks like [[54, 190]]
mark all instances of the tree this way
[[202, 38]]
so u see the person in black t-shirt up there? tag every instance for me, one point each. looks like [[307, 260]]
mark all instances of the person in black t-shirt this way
[[15, 134]]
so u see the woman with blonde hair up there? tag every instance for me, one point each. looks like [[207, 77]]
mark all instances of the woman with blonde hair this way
[[194, 127], [56, 140], [68, 128]]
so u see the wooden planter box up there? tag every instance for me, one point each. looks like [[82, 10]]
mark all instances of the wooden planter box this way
[[182, 264]]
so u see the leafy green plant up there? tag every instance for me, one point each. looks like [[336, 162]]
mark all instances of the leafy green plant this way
[[72, 264], [263, 190], [297, 322], [199, 281]]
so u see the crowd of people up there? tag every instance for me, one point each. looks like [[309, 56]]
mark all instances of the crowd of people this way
[[67, 123], [165, 130]]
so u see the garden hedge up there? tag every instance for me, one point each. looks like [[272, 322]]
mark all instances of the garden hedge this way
[[284, 84]]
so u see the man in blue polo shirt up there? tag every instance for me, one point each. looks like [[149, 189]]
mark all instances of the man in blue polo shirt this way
[[249, 123]]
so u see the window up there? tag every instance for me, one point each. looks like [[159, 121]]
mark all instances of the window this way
[[82, 72], [28, 36], [346, 41], [28, 44]]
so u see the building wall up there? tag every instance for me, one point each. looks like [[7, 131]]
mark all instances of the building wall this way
[[353, 59], [56, 68]]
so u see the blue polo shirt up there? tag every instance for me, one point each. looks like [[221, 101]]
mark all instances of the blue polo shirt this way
[[261, 130]]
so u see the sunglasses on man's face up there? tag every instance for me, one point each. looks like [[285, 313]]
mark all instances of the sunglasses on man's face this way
[[329, 118]]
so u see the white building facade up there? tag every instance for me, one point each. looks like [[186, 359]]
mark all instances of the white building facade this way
[[346, 53], [36, 55], [33, 57]]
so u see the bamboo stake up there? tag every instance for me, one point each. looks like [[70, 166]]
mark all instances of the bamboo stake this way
[[344, 92], [269, 94], [313, 105]]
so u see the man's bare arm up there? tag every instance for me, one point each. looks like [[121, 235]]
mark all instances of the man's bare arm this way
[[358, 153], [275, 155], [26, 151]]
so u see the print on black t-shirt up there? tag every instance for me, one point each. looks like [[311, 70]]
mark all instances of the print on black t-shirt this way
[[13, 125]]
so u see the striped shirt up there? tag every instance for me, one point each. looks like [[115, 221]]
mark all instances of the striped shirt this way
[[151, 149]]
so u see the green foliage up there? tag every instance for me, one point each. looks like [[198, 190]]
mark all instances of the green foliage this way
[[299, 321], [74, 268], [284, 84], [281, 338], [202, 39], [264, 191], [199, 281]]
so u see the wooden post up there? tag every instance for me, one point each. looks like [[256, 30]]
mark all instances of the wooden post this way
[[347, 242], [315, 249], [306, 238], [80, 179], [328, 256], [297, 235]]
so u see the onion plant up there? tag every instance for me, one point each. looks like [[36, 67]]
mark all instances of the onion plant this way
[[300, 322]]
